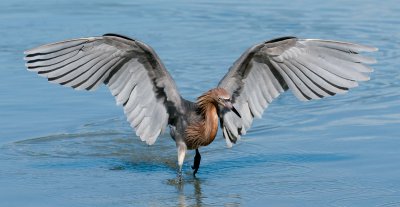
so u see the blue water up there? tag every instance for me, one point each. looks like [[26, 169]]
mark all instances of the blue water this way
[[60, 147]]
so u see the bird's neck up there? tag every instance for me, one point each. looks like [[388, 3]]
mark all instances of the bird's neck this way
[[202, 132], [208, 110], [211, 122]]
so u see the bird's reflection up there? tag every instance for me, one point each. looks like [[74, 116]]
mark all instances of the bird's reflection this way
[[189, 191], [197, 191]]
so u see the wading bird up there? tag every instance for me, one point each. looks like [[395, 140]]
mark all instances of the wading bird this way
[[135, 75]]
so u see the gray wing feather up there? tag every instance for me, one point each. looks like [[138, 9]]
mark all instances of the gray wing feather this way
[[311, 68], [131, 69]]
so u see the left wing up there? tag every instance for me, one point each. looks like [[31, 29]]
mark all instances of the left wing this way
[[131, 69], [311, 68]]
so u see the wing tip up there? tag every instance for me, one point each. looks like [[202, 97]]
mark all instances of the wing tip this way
[[228, 138], [357, 47], [366, 48], [370, 70], [371, 61], [374, 49]]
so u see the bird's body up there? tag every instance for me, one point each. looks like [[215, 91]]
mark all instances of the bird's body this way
[[135, 75], [198, 125]]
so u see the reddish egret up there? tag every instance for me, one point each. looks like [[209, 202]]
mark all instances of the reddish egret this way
[[135, 75]]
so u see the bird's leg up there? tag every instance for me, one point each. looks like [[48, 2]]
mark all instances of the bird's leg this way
[[196, 162], [181, 157]]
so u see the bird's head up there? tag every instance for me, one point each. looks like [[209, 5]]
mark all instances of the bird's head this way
[[220, 98], [224, 100]]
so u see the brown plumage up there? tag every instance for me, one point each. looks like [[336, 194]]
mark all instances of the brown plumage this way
[[136, 76], [203, 131]]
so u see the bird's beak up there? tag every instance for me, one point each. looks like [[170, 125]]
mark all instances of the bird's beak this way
[[236, 112], [229, 105]]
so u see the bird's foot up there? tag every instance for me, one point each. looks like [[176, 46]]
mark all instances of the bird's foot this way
[[195, 169], [196, 162], [179, 176]]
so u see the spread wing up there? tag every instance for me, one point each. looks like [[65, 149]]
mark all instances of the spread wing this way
[[311, 68], [131, 69]]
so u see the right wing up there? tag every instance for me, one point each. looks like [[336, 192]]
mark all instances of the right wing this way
[[131, 69], [311, 68]]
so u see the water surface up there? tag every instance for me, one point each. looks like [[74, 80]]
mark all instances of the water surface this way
[[60, 147]]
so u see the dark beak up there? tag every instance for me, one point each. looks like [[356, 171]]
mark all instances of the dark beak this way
[[236, 112]]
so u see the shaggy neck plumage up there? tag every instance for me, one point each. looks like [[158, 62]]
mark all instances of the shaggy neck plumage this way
[[208, 109], [203, 132], [206, 102]]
